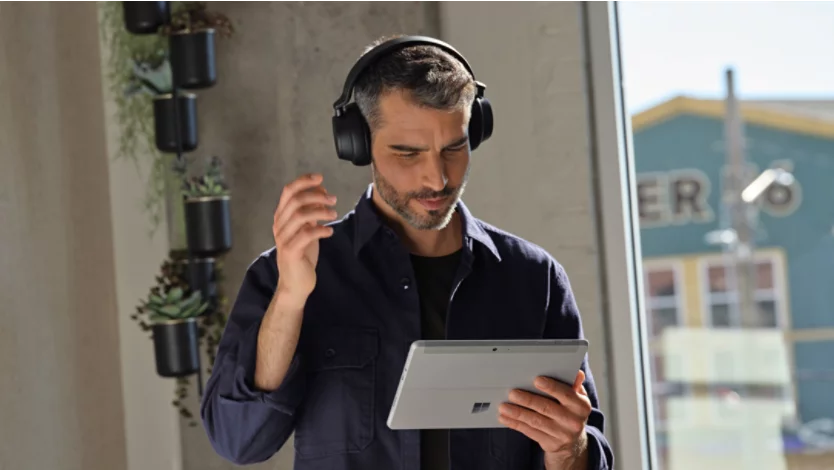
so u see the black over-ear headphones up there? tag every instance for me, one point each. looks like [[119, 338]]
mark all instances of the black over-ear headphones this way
[[351, 131]]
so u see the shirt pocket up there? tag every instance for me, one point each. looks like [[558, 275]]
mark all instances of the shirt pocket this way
[[337, 413]]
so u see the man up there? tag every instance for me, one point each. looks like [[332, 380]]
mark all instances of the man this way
[[320, 330]]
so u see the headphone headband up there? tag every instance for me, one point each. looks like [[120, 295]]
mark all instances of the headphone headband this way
[[351, 132], [386, 48]]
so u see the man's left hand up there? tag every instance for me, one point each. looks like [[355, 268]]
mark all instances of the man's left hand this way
[[557, 424]]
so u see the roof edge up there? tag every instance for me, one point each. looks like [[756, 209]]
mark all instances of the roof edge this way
[[751, 113]]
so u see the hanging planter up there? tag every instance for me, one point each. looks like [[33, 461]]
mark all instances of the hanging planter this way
[[200, 275], [164, 122], [192, 42], [176, 346], [172, 309], [192, 56], [145, 17], [207, 213]]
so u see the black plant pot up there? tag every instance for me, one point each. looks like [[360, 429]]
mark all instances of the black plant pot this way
[[208, 225], [146, 17], [166, 131], [176, 347], [200, 275], [192, 59]]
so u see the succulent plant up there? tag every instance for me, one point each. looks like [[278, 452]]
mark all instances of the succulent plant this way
[[209, 184], [195, 16], [174, 305], [150, 77], [170, 299]]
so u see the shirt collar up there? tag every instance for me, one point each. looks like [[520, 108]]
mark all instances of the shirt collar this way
[[368, 222]]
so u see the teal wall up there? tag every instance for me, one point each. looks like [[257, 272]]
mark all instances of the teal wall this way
[[806, 236]]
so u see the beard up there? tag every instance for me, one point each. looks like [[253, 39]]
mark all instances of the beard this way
[[432, 219]]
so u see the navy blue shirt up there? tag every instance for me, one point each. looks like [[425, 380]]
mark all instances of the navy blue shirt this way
[[359, 323]]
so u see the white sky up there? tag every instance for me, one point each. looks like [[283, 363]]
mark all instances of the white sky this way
[[778, 49]]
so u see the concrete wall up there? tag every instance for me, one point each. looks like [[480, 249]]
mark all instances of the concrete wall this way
[[72, 208], [269, 118], [534, 176], [60, 374], [151, 423]]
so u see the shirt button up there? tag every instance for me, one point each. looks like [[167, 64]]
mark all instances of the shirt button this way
[[405, 282]]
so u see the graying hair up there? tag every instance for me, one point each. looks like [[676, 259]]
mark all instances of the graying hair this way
[[432, 77]]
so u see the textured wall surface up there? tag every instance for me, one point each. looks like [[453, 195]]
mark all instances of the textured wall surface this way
[[69, 215], [60, 376], [269, 115], [533, 178]]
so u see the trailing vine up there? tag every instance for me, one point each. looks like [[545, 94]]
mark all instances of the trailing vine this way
[[128, 56], [137, 69]]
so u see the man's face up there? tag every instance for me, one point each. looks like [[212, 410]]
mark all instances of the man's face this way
[[421, 160]]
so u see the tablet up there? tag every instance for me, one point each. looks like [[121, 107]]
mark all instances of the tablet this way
[[450, 384]]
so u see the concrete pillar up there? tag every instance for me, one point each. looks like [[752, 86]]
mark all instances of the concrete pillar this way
[[533, 178], [60, 373]]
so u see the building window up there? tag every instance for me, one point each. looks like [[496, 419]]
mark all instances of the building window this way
[[722, 296], [662, 298], [663, 295]]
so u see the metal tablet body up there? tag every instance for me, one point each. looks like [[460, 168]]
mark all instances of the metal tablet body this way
[[449, 384]]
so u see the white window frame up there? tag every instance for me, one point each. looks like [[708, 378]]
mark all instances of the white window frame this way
[[777, 293], [679, 301], [632, 432]]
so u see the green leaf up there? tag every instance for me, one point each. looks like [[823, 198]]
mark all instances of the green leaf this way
[[192, 300], [172, 311], [174, 295]]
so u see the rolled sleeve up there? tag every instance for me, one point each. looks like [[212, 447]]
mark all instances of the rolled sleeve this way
[[600, 456], [286, 398], [244, 424]]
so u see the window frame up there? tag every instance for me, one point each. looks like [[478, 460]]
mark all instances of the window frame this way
[[676, 266], [631, 430], [778, 293]]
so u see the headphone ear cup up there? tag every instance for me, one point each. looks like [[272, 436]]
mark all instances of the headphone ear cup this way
[[480, 122], [486, 118], [476, 132], [352, 136]]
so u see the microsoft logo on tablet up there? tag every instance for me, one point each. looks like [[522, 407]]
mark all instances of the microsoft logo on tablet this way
[[480, 407]]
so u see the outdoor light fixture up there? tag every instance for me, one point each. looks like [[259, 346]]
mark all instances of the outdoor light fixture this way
[[759, 185]]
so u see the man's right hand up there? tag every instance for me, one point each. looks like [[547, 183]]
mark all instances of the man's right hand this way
[[304, 203]]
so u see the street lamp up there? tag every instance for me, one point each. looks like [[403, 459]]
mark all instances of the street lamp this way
[[763, 182], [749, 195]]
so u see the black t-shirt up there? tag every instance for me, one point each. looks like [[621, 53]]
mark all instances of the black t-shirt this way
[[435, 278]]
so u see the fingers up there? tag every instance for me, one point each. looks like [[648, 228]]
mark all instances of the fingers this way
[[304, 203], [310, 196], [546, 441], [577, 382], [542, 413], [567, 395], [299, 184], [560, 423], [309, 216], [305, 236]]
